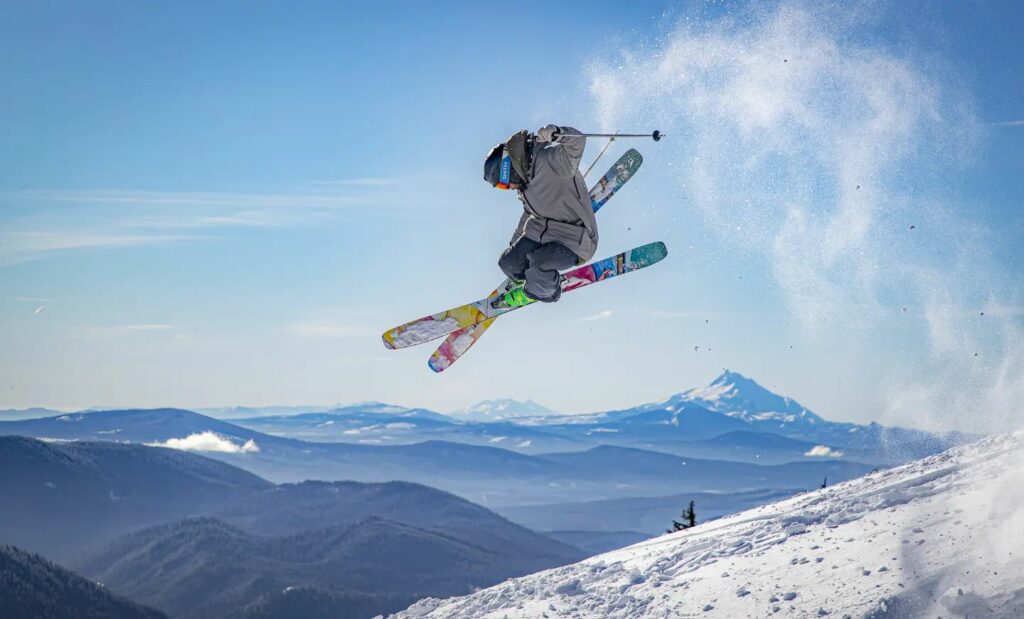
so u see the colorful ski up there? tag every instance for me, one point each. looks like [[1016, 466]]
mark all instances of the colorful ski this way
[[442, 323], [461, 340]]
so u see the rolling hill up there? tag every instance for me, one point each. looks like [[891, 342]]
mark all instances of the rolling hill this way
[[33, 588], [201, 568], [141, 520], [61, 497]]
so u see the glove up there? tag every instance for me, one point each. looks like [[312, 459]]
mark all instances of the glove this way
[[549, 133]]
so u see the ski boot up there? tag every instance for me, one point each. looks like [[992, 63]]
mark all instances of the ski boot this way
[[515, 297]]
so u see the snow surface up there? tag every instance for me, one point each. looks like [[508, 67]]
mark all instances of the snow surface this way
[[939, 537]]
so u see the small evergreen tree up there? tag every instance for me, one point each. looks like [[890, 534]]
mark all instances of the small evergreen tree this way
[[824, 484], [689, 520]]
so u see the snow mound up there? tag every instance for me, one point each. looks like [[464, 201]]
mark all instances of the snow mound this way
[[937, 537]]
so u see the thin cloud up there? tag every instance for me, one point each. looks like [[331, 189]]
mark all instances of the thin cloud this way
[[185, 198], [112, 331], [667, 314], [326, 330], [674, 314], [384, 181], [43, 241], [237, 220], [1010, 123], [117, 219], [16, 247], [598, 316]]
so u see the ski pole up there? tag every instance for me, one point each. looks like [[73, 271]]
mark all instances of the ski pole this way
[[656, 135], [598, 158]]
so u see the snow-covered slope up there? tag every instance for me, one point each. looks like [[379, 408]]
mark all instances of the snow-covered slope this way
[[939, 537]]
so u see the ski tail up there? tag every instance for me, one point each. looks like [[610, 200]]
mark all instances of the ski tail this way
[[460, 341], [456, 345], [433, 326]]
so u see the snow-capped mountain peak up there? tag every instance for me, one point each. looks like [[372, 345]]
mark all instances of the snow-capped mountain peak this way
[[736, 395], [936, 537], [502, 409]]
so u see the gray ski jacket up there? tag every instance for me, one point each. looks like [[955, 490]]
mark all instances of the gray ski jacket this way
[[556, 204]]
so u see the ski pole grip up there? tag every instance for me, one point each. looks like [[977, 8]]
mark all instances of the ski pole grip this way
[[557, 133]]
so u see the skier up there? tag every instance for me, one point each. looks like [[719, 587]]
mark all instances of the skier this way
[[557, 229]]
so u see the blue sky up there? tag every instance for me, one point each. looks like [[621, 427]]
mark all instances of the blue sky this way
[[206, 204]]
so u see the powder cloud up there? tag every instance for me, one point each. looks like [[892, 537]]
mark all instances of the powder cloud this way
[[805, 142]]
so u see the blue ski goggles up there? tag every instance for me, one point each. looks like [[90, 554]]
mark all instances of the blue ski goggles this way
[[505, 170]]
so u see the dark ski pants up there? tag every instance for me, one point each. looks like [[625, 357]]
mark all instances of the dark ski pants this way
[[538, 264]]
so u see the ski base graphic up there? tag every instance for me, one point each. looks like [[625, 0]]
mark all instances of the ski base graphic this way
[[436, 325]]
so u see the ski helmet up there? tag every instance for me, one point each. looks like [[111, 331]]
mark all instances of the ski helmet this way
[[498, 168], [509, 163]]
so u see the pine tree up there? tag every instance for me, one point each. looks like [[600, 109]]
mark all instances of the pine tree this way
[[689, 517], [824, 484]]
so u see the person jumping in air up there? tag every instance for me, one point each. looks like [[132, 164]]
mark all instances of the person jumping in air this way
[[558, 229]]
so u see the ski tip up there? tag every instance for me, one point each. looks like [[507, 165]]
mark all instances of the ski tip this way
[[652, 252], [387, 341], [438, 364]]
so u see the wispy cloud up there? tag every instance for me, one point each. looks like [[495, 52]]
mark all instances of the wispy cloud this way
[[675, 314], [25, 246], [327, 329], [384, 181], [115, 218], [1010, 123], [666, 314], [602, 315], [190, 199], [112, 331]]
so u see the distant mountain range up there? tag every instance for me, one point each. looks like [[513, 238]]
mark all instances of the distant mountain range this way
[[242, 412], [502, 409], [731, 408], [17, 414], [732, 436], [487, 475]]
